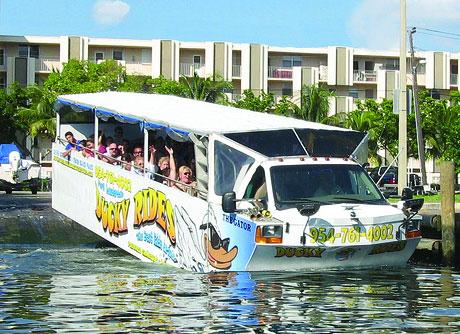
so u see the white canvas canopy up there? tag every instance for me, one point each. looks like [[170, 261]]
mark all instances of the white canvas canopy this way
[[183, 114]]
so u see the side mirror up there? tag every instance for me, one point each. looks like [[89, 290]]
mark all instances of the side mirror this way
[[413, 205], [229, 202], [407, 193]]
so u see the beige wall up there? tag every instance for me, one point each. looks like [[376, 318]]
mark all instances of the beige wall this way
[[186, 56], [219, 59], [167, 59], [75, 47], [341, 66], [438, 70], [49, 51]]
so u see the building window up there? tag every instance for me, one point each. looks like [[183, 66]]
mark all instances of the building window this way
[[369, 65], [2, 82], [33, 51], [197, 60], [286, 90], [99, 56], [29, 51], [454, 69], [435, 94], [369, 94], [353, 93], [117, 55], [355, 65], [2, 57], [292, 61]]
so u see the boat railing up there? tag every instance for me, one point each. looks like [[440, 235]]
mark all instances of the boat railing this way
[[145, 172]]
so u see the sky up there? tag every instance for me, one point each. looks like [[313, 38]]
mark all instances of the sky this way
[[370, 24]]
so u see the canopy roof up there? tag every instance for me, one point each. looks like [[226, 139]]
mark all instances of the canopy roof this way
[[181, 114]]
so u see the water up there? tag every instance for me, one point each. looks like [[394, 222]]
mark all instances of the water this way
[[104, 290]]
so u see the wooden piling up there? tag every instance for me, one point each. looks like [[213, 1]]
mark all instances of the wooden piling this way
[[447, 212]]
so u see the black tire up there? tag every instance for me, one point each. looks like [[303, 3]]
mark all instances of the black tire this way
[[9, 190], [34, 191]]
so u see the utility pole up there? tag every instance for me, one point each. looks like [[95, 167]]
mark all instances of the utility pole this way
[[418, 123], [402, 160]]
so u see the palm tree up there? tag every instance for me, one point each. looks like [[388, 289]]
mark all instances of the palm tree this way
[[39, 117], [314, 103], [209, 90]]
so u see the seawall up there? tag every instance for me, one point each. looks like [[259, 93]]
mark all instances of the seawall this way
[[26, 218]]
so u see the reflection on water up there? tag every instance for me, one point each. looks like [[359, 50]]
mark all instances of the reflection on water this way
[[89, 290]]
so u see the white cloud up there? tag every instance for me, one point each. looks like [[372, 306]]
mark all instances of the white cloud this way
[[375, 24], [110, 12]]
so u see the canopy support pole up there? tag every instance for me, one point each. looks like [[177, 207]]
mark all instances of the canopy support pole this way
[[146, 150], [96, 135]]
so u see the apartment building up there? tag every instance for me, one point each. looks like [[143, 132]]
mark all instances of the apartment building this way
[[351, 73]]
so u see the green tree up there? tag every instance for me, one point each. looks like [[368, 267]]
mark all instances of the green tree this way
[[314, 103], [38, 117], [165, 86], [79, 76], [264, 102], [10, 101], [136, 84], [205, 89]]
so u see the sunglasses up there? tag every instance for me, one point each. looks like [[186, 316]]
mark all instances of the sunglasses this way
[[137, 152], [187, 173]]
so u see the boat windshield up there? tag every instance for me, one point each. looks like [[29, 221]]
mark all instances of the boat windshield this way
[[327, 184]]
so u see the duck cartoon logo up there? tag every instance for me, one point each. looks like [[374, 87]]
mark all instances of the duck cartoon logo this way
[[218, 254]]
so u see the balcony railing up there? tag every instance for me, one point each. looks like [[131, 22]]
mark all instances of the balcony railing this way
[[47, 64], [189, 70], [280, 72], [323, 73], [139, 68], [454, 79], [236, 71], [365, 76]]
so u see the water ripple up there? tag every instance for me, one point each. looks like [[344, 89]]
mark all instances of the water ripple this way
[[104, 290]]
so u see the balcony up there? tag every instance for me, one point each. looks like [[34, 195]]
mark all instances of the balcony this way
[[47, 64], [236, 71], [188, 70], [280, 72], [138, 68], [365, 76], [454, 79]]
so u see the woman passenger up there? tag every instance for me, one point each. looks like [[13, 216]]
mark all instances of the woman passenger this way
[[167, 167], [186, 182]]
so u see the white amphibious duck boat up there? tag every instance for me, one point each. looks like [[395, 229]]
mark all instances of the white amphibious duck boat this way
[[271, 192]]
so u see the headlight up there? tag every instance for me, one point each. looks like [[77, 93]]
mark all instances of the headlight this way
[[269, 234]]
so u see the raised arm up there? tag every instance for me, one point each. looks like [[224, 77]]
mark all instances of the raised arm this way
[[172, 164]]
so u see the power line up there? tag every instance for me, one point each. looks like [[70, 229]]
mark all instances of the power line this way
[[447, 37], [439, 31]]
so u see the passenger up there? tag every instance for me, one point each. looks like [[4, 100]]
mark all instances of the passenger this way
[[88, 151], [167, 166], [126, 146], [138, 151], [108, 141], [101, 147], [72, 144], [113, 155], [118, 137], [187, 184], [127, 160]]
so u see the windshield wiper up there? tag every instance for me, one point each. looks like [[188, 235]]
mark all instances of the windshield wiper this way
[[358, 200]]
